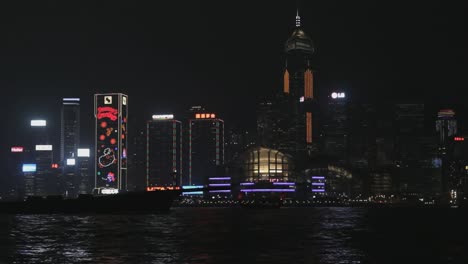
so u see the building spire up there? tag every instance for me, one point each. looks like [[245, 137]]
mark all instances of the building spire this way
[[298, 18]]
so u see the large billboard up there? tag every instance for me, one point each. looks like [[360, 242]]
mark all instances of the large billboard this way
[[111, 141]]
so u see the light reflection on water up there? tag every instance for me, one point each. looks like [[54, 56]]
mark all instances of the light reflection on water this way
[[201, 235]]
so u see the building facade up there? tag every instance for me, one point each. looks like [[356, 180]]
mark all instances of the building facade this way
[[205, 147], [111, 142], [164, 152]]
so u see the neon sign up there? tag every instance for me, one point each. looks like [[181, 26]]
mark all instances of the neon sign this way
[[107, 112], [17, 149], [109, 191], [162, 117], [335, 95], [459, 138], [107, 159]]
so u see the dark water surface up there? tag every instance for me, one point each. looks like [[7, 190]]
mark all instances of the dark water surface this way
[[236, 235]]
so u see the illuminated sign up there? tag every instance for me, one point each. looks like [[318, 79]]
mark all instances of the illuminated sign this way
[[54, 166], [205, 116], [108, 99], [335, 95], [29, 167], [109, 191], [446, 113], [301, 99], [162, 188], [187, 187], [71, 162], [38, 123], [71, 99], [83, 152], [459, 138], [17, 149], [43, 147], [107, 112], [162, 117]]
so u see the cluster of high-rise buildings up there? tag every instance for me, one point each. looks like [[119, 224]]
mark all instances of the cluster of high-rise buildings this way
[[306, 144]]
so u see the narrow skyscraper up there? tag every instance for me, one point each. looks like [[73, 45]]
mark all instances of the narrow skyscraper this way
[[111, 142], [70, 128], [299, 86]]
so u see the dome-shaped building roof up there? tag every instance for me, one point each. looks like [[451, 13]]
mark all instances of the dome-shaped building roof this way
[[299, 40]]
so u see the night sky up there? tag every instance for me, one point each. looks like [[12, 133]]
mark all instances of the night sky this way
[[170, 55]]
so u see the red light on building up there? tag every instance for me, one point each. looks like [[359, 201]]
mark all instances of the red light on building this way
[[55, 166], [459, 138], [17, 149]]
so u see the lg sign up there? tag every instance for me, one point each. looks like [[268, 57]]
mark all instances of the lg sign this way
[[338, 95]]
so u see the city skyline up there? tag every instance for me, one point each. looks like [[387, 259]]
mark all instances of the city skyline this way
[[217, 97]]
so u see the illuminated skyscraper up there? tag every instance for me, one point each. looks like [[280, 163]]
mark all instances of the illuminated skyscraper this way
[[299, 85], [164, 151], [205, 147], [84, 172], [111, 142], [446, 126], [335, 127], [70, 128]]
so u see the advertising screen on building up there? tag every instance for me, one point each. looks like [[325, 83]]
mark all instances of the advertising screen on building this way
[[111, 138], [43, 147], [29, 167], [39, 123], [83, 153]]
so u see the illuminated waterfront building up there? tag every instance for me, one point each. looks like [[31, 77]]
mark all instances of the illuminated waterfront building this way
[[111, 142], [164, 151], [205, 147]]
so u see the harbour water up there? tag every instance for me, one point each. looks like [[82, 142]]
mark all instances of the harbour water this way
[[239, 235]]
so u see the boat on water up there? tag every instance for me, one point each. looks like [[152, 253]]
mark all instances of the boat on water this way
[[128, 202]]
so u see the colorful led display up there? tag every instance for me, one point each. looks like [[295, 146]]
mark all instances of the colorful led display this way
[[111, 141]]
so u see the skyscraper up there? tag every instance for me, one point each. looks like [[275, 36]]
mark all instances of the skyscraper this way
[[84, 172], [111, 142], [70, 128], [446, 126], [164, 151], [335, 127], [205, 147], [299, 85]]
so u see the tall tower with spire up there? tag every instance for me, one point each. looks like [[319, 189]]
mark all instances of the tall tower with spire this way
[[299, 87]]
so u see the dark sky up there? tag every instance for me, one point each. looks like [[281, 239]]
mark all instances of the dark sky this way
[[170, 55]]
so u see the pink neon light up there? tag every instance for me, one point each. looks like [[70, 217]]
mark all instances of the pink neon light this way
[[107, 112]]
